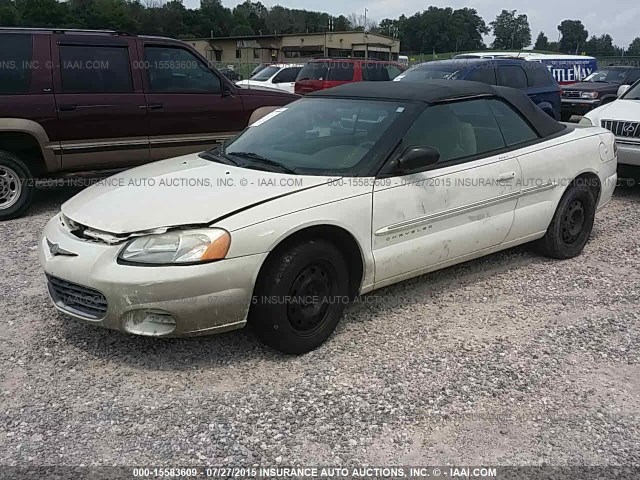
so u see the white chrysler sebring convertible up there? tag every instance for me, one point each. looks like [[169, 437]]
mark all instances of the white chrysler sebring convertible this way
[[339, 193]]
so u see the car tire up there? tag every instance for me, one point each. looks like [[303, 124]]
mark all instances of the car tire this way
[[283, 313], [571, 225], [16, 186]]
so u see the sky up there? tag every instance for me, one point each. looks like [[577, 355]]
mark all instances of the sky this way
[[620, 19]]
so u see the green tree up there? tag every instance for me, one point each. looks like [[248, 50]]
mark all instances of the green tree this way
[[574, 36], [542, 42], [9, 16], [634, 47], [511, 31]]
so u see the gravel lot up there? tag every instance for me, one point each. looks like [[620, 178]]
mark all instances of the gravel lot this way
[[513, 359]]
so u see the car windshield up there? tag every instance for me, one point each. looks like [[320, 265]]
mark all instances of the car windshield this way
[[429, 72], [265, 74], [315, 136], [609, 75]]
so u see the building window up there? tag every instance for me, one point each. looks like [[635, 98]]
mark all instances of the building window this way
[[256, 53], [218, 55], [238, 53]]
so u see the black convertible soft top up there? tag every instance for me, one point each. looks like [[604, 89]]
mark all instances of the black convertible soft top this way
[[438, 91]]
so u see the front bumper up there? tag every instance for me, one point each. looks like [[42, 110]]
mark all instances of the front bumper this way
[[575, 106], [628, 152], [201, 299]]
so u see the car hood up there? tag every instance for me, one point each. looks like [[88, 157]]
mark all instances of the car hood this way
[[186, 190], [628, 110], [592, 87]]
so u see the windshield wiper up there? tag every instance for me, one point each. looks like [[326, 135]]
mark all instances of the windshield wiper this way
[[218, 156], [256, 157]]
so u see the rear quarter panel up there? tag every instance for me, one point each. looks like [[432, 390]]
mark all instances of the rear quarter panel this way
[[558, 161]]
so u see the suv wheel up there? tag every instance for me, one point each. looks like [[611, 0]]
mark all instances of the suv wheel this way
[[300, 297], [16, 186]]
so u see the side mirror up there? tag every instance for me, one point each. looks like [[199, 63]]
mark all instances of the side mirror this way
[[622, 89], [414, 159], [226, 89]]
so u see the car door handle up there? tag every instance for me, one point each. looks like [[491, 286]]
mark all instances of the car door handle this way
[[155, 106], [67, 108], [505, 177]]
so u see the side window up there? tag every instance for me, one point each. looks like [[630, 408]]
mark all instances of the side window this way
[[457, 130], [392, 71], [95, 69], [375, 72], [512, 76], [176, 70], [484, 74], [537, 75], [341, 71], [15, 55], [287, 75], [514, 128]]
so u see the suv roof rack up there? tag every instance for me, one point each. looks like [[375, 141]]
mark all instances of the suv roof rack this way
[[68, 30]]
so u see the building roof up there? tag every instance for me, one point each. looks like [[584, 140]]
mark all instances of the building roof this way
[[301, 34], [439, 91]]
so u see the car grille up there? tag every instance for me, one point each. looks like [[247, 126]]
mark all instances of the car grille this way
[[622, 128], [82, 301], [571, 94]]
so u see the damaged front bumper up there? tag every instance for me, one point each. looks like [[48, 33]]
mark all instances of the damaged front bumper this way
[[86, 282]]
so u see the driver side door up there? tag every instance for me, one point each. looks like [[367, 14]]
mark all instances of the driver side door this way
[[187, 109], [463, 204]]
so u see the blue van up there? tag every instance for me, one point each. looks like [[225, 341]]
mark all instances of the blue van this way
[[533, 78]]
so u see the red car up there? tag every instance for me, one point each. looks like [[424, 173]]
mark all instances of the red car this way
[[325, 73]]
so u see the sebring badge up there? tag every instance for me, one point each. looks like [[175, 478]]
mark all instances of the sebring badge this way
[[55, 249]]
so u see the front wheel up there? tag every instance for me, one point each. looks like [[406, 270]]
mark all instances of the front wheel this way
[[300, 296], [16, 186], [571, 225]]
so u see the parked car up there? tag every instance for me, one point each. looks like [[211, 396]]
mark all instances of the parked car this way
[[565, 69], [533, 78], [281, 76], [75, 101], [599, 88], [326, 73], [342, 192], [230, 73], [621, 117]]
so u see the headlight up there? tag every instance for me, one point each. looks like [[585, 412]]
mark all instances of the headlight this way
[[586, 122], [178, 247], [589, 95]]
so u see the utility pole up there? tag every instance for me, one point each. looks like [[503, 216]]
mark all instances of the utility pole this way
[[364, 26]]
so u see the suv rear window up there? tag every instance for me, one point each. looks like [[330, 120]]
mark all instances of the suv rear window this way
[[313, 71], [375, 72], [537, 75], [15, 58], [93, 69], [512, 76], [341, 71]]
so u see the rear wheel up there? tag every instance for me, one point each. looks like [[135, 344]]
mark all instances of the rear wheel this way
[[300, 297], [16, 186], [571, 225]]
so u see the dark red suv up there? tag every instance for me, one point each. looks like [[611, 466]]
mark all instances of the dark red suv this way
[[78, 100], [325, 73]]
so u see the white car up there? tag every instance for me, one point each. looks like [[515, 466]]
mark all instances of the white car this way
[[280, 76], [622, 117], [340, 193]]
